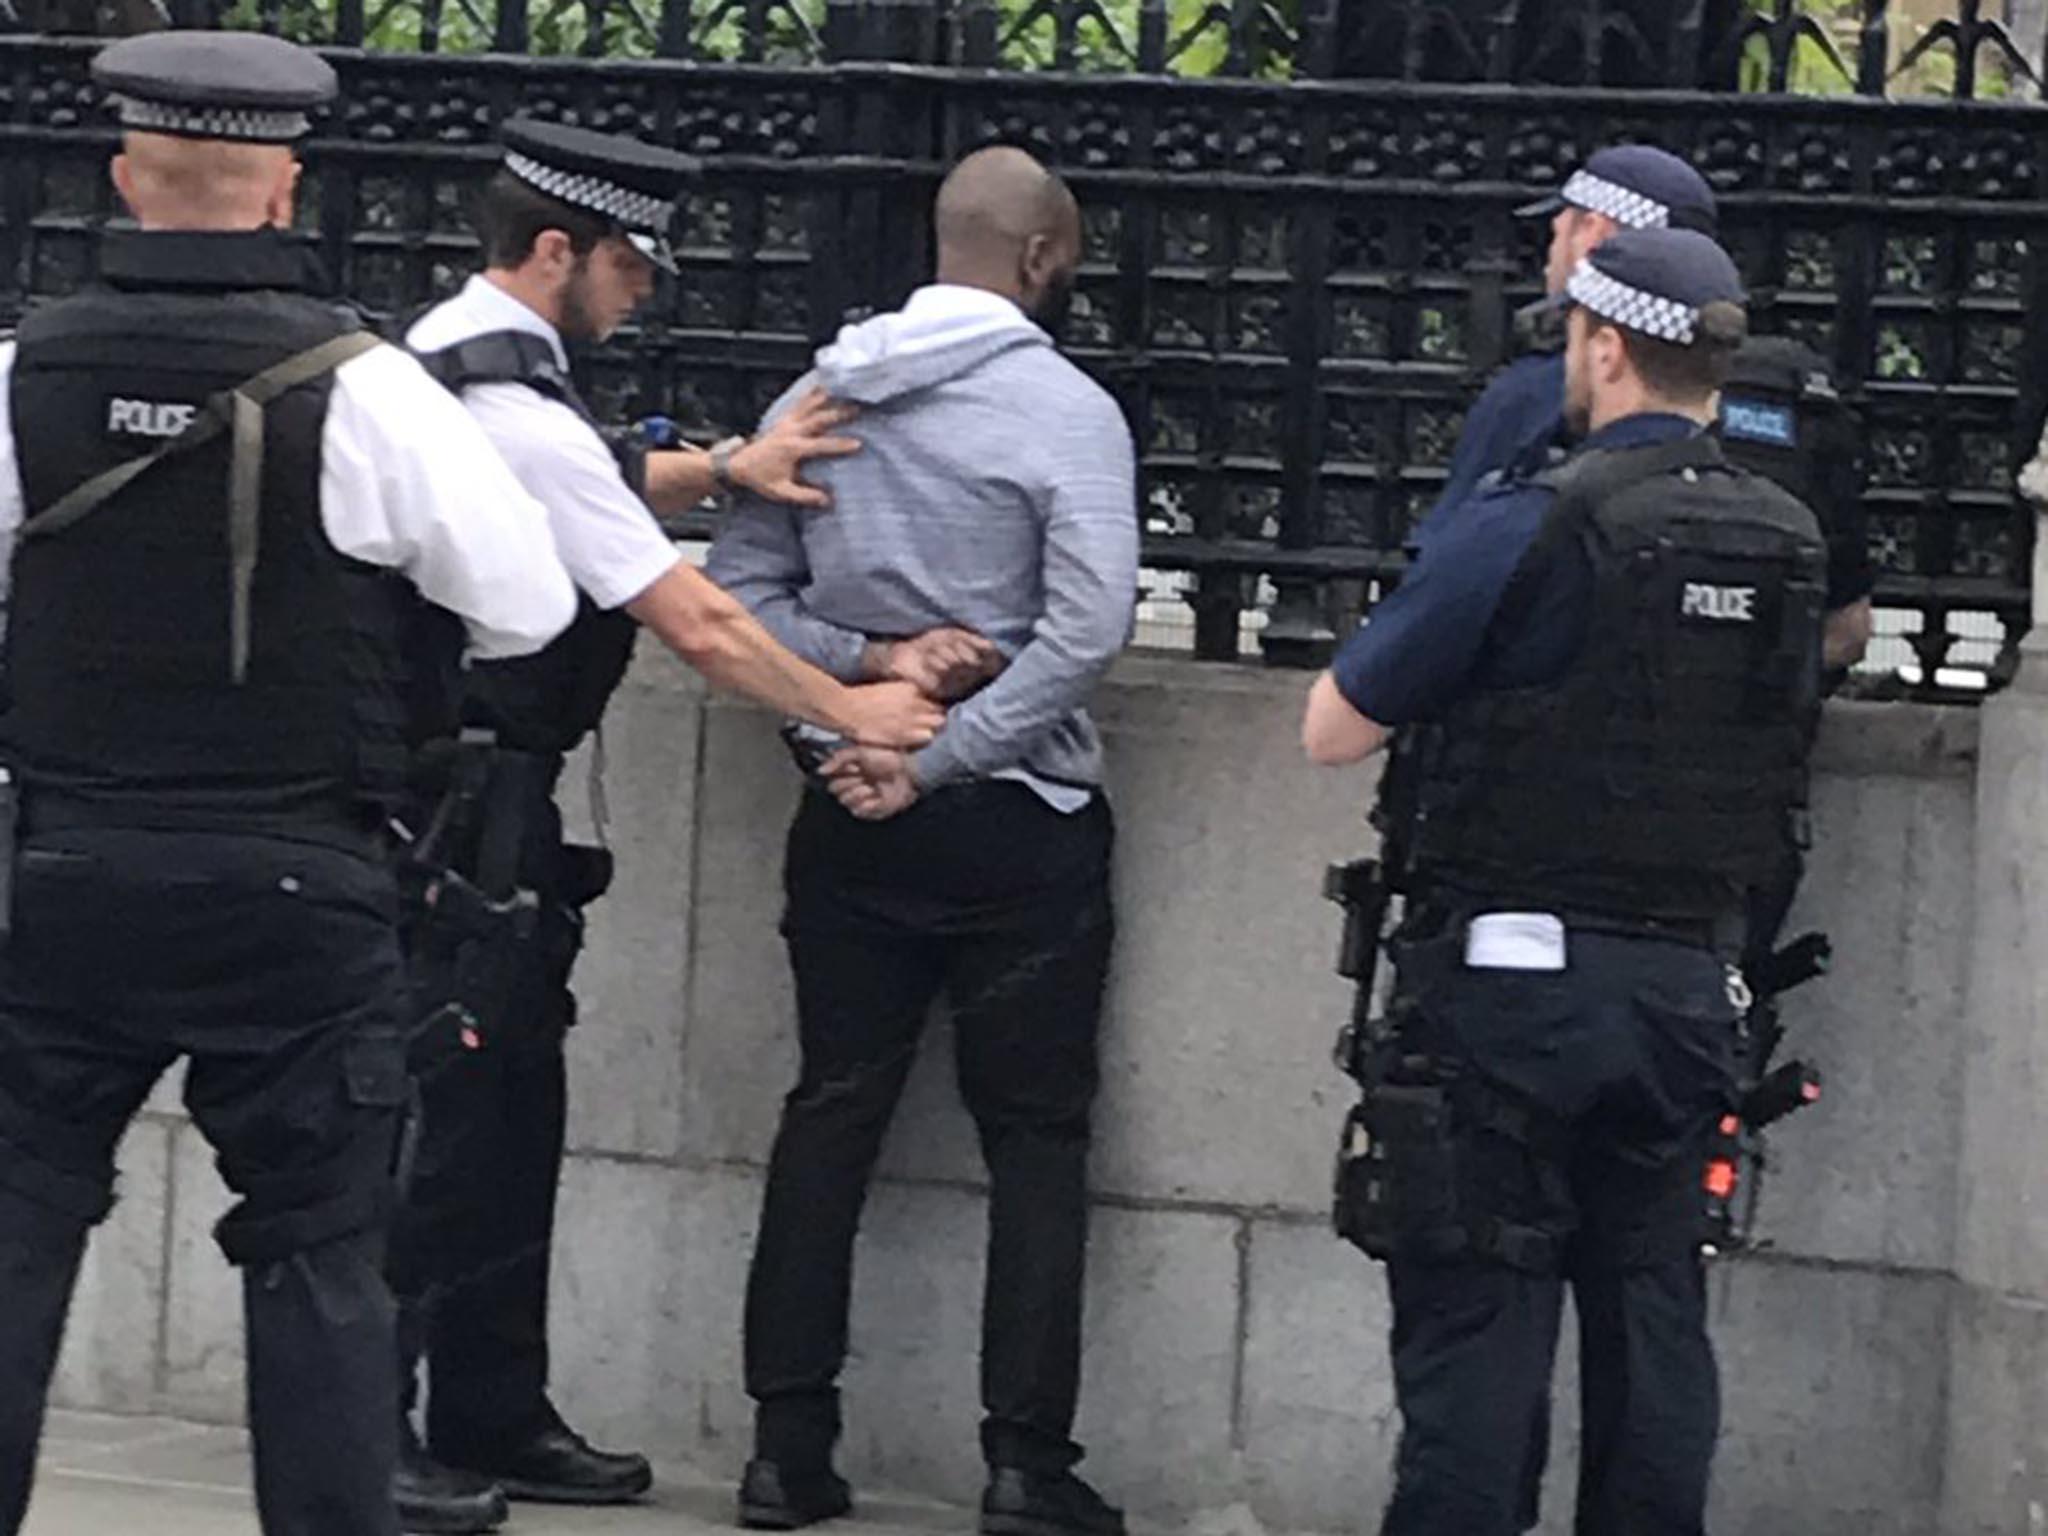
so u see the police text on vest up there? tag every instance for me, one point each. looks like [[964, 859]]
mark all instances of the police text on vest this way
[[149, 418], [1728, 605]]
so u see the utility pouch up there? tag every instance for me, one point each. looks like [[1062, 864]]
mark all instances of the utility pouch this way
[[1397, 1170], [1439, 1165]]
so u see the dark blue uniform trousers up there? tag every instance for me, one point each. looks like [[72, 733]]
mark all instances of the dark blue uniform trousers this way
[[274, 965], [1630, 1053]]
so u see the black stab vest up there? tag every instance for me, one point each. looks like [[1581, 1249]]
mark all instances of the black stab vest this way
[[1664, 773], [119, 691], [550, 701]]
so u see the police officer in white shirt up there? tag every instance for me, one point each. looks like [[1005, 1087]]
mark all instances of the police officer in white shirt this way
[[237, 527], [574, 225]]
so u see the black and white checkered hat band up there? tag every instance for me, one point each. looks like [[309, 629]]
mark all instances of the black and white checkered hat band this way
[[1629, 209], [622, 205], [1632, 308], [254, 125]]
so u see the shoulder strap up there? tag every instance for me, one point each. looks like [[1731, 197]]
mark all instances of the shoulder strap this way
[[238, 411], [1588, 477], [1580, 483], [504, 357], [520, 357]]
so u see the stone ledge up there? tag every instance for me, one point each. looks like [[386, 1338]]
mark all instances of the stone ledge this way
[[1152, 691], [1896, 740]]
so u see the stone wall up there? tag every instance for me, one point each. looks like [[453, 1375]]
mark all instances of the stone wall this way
[[1236, 1364]]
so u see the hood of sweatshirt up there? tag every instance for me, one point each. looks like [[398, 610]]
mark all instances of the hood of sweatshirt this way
[[943, 332]]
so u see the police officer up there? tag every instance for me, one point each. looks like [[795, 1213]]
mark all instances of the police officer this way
[[1626, 186], [1782, 417], [1789, 424], [574, 225], [229, 511], [1602, 678]]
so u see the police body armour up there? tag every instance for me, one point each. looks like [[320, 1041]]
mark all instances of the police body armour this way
[[1662, 774]]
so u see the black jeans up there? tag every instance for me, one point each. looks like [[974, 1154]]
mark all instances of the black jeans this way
[[1630, 1054], [274, 966], [987, 895]]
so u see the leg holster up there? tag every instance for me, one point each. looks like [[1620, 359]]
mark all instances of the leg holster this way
[[1438, 1163], [503, 921]]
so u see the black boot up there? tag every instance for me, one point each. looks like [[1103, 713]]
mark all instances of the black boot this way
[[1020, 1503], [434, 1500], [778, 1498], [555, 1465]]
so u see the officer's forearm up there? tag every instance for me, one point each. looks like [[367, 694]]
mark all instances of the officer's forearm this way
[[1332, 732], [1848, 635], [709, 629], [678, 479]]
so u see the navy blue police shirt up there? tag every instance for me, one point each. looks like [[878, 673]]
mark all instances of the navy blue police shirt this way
[[1520, 410], [1433, 639]]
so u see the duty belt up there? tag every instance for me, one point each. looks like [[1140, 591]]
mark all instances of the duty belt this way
[[359, 829]]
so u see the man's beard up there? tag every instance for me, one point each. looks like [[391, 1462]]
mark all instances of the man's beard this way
[[578, 323], [1055, 306], [1578, 409]]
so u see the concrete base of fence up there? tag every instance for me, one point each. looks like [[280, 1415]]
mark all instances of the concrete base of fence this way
[[1888, 1346]]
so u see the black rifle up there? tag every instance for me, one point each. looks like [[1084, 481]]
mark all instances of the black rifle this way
[[1739, 1157], [1360, 888]]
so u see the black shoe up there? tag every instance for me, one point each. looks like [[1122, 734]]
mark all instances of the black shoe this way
[[1020, 1503], [434, 1500], [774, 1498], [558, 1466]]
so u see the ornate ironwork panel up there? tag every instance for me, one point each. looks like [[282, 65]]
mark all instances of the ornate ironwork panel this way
[[1300, 265]]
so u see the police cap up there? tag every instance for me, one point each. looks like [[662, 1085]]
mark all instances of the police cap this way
[[1639, 187], [242, 86], [1656, 282], [631, 183]]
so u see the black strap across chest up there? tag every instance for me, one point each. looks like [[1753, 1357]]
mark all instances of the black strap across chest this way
[[239, 412], [505, 357]]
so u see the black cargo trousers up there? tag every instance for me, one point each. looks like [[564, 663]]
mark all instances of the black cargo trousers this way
[[471, 1248], [1591, 1099], [273, 965]]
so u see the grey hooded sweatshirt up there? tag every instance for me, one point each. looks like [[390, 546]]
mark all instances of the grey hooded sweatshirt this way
[[995, 490]]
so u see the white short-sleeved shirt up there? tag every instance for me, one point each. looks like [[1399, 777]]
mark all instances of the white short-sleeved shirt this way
[[608, 538], [409, 483]]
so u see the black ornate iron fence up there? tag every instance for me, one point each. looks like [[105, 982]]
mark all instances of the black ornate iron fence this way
[[1301, 260]]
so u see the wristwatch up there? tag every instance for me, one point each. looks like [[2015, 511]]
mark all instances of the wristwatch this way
[[721, 464]]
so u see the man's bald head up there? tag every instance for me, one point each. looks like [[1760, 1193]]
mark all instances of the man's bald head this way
[[997, 199], [205, 184], [1007, 224]]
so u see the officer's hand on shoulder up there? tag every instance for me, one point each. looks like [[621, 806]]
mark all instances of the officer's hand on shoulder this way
[[771, 465]]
